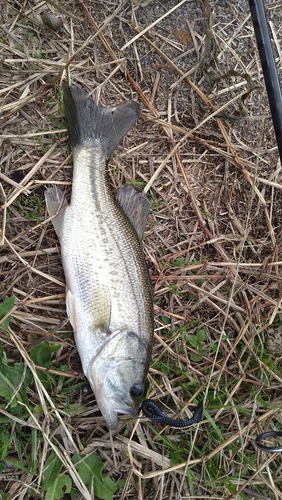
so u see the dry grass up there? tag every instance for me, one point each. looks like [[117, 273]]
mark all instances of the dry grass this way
[[213, 243]]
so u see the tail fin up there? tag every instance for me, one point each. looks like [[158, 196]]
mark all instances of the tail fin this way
[[88, 122]]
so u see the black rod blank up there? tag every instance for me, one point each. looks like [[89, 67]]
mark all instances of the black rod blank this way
[[269, 67]]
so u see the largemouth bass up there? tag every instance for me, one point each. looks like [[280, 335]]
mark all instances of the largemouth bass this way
[[108, 291]]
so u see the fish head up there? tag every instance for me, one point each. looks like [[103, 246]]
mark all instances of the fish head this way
[[117, 375]]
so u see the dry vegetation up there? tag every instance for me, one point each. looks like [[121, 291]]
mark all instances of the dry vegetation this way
[[205, 151]]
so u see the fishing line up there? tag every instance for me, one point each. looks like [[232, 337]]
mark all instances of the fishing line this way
[[265, 435], [268, 67], [151, 410]]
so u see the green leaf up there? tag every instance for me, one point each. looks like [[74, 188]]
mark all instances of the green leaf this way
[[162, 367], [107, 490], [74, 493], [201, 334], [179, 262], [52, 469], [194, 341], [41, 354], [5, 437], [174, 289], [88, 467], [60, 486], [11, 379], [90, 471], [195, 357], [5, 308], [16, 464], [165, 320]]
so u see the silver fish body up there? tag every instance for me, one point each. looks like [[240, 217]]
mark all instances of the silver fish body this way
[[109, 298]]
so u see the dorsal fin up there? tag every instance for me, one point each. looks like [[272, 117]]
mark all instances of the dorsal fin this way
[[136, 207]]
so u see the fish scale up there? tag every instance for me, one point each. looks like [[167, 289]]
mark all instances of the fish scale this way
[[109, 295], [104, 268]]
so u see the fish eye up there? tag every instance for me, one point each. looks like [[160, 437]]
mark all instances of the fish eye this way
[[136, 390]]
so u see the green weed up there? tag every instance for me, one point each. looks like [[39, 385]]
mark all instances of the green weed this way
[[137, 184], [30, 206], [28, 35]]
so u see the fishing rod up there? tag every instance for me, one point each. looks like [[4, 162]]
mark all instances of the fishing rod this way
[[273, 88], [268, 67]]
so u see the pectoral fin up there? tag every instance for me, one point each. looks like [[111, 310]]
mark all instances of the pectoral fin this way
[[136, 207], [70, 306], [56, 205], [101, 302]]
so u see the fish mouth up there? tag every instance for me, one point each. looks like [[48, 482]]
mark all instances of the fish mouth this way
[[111, 406]]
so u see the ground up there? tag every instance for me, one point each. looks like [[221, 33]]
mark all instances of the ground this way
[[204, 150]]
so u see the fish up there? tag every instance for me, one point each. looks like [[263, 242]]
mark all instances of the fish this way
[[109, 299]]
